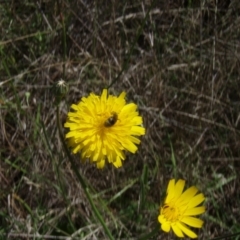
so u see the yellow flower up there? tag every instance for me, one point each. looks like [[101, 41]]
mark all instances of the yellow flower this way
[[103, 127], [180, 208]]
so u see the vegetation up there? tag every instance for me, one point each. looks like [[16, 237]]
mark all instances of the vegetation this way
[[177, 60]]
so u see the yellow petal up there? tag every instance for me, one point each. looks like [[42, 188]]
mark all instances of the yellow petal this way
[[122, 96], [194, 211], [166, 227], [195, 201], [117, 163], [134, 139], [129, 108], [104, 95], [100, 164], [128, 145], [137, 130], [192, 221], [76, 149], [179, 187], [177, 230], [137, 120], [186, 230], [70, 134], [188, 194], [74, 107], [161, 219], [170, 190]]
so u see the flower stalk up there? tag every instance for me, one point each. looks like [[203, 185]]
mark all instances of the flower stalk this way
[[81, 180]]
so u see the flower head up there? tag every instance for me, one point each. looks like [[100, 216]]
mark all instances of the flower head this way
[[60, 90], [103, 127], [179, 209]]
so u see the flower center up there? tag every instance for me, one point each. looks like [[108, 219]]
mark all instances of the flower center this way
[[171, 212]]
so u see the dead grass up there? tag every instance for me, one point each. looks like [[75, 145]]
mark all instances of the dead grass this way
[[180, 65]]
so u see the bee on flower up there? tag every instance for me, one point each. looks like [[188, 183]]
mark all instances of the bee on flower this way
[[111, 120], [103, 127]]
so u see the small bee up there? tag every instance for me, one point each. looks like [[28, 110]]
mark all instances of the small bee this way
[[111, 120]]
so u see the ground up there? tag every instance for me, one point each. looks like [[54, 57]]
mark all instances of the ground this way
[[177, 60]]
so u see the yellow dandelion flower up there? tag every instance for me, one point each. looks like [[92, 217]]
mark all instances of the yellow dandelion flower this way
[[179, 209], [103, 127]]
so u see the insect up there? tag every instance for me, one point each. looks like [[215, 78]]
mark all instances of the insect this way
[[111, 120]]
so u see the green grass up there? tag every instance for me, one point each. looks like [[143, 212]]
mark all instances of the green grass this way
[[178, 62]]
